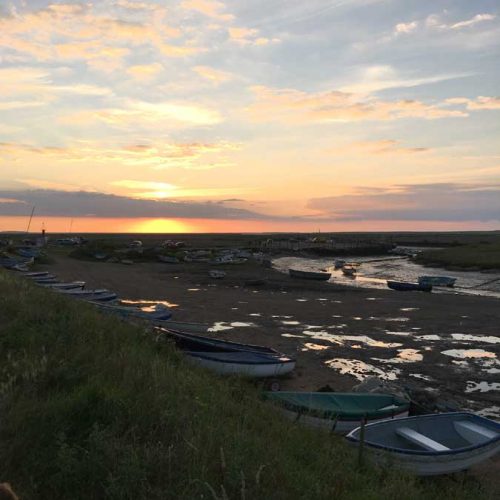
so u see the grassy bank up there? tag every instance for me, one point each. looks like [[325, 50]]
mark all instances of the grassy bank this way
[[91, 408], [482, 256]]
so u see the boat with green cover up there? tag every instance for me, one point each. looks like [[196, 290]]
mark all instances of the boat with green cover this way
[[340, 412]]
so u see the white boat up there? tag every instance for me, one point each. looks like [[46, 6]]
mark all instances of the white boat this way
[[243, 363], [429, 445]]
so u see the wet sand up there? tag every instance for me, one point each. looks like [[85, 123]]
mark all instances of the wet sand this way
[[338, 334]]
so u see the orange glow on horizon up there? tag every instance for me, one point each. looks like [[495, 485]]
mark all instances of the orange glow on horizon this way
[[159, 226]]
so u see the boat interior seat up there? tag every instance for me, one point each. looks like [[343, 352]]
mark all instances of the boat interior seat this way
[[420, 440], [474, 432]]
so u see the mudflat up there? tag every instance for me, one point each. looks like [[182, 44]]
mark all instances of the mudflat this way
[[446, 344]]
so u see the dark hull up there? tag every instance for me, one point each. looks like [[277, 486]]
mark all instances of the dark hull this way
[[309, 275], [403, 286]]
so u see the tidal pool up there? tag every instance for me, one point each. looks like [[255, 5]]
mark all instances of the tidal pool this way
[[476, 338], [482, 386], [361, 370], [469, 353]]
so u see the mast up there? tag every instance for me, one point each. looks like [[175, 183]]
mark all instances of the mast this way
[[31, 217]]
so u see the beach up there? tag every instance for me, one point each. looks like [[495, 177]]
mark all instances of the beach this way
[[445, 344]]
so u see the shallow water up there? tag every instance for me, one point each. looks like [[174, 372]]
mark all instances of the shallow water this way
[[375, 271], [147, 305], [360, 370]]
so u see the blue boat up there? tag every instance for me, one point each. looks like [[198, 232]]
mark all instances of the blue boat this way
[[428, 445], [243, 363], [437, 280], [406, 286]]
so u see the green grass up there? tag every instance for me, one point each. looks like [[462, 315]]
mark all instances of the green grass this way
[[483, 256], [94, 408]]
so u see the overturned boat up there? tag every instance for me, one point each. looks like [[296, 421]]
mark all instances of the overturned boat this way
[[339, 412], [429, 445]]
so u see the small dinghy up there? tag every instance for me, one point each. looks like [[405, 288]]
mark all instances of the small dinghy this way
[[99, 295], [243, 363], [406, 286], [429, 445], [309, 275], [160, 312], [437, 280], [339, 412], [190, 342], [48, 278], [74, 285], [37, 274]]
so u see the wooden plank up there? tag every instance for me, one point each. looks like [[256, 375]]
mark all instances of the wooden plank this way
[[420, 440]]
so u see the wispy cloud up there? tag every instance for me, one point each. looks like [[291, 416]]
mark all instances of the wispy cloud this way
[[212, 74], [295, 106]]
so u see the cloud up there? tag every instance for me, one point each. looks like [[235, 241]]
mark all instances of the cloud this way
[[145, 72], [249, 36], [156, 155], [143, 114], [423, 202], [295, 106], [479, 103], [6, 106], [209, 8], [92, 204], [406, 27], [212, 74], [83, 32], [380, 147], [433, 21], [381, 77]]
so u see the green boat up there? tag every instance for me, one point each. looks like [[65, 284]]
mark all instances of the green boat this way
[[341, 412]]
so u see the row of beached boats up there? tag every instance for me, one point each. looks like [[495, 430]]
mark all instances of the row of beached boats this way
[[424, 283], [432, 444]]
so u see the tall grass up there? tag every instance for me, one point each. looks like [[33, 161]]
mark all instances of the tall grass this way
[[92, 407], [483, 256]]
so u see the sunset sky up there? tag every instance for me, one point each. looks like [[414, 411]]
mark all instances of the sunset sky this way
[[262, 115]]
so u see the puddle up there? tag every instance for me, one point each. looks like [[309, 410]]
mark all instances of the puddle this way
[[223, 325], [312, 327], [482, 386], [302, 300], [148, 305], [403, 334], [357, 318], [321, 299], [342, 339], [469, 353], [491, 366], [290, 322], [404, 356], [308, 346], [360, 370], [491, 411], [193, 289], [234, 308], [255, 314], [293, 335], [476, 338], [428, 337], [280, 316], [373, 298], [336, 315], [378, 318], [408, 309]]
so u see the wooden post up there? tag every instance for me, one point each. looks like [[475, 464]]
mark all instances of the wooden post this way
[[361, 443]]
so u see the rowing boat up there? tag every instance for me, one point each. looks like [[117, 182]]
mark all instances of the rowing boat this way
[[339, 412], [429, 445], [406, 286]]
